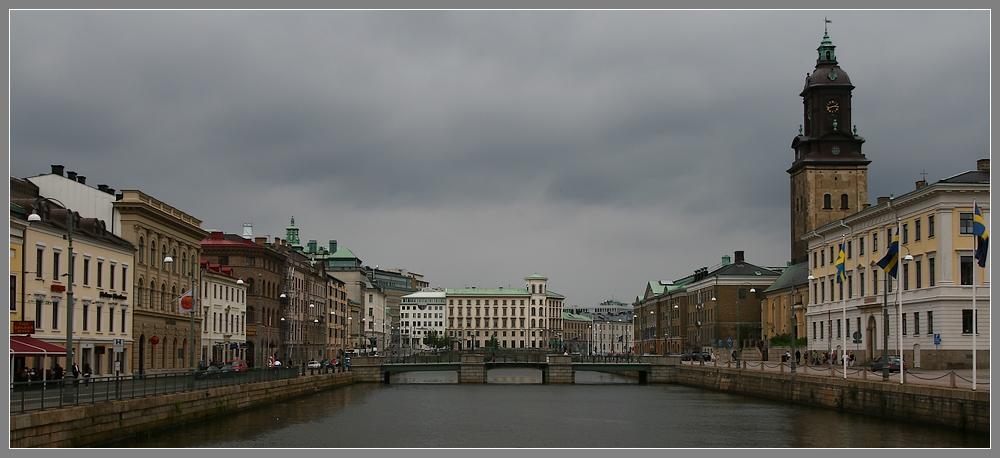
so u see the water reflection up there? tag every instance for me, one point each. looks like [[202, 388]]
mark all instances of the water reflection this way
[[512, 415]]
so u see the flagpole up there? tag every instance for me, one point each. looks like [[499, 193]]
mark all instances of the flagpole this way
[[843, 299], [974, 317], [899, 301]]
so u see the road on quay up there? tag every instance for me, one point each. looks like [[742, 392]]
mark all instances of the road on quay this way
[[962, 378]]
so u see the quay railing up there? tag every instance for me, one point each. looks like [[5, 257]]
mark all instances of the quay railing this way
[[68, 392]]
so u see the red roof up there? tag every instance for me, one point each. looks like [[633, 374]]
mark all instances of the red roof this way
[[30, 346]]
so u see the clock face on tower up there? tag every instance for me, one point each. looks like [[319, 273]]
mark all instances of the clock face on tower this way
[[832, 107]]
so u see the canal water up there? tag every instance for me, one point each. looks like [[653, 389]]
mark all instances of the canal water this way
[[513, 410]]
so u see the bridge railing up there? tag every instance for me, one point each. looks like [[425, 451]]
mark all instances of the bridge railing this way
[[36, 395], [611, 359]]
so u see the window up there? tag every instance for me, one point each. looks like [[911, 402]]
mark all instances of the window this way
[[124, 278], [55, 265], [838, 328], [843, 202], [814, 259], [966, 270], [111, 276], [930, 226], [931, 280], [142, 250], [99, 311], [86, 271], [906, 232], [111, 319], [152, 253], [916, 323], [39, 254], [904, 324], [850, 286], [874, 281], [100, 272], [849, 250], [741, 293], [86, 315], [906, 277], [967, 322], [822, 257], [138, 297], [918, 271], [251, 261], [55, 315], [861, 282], [38, 313], [916, 229], [874, 242], [930, 322], [965, 223], [13, 293], [861, 245], [827, 202], [822, 291]]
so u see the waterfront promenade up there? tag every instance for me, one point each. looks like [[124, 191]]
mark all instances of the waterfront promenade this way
[[958, 378]]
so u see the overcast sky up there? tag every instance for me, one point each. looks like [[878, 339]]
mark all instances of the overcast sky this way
[[600, 149]]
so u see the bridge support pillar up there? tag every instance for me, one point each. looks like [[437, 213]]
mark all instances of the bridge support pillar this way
[[473, 369], [559, 370], [367, 368], [663, 369]]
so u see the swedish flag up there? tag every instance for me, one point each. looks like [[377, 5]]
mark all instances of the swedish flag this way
[[841, 265], [982, 236], [890, 261]]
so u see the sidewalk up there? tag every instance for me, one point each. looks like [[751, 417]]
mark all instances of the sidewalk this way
[[959, 378]]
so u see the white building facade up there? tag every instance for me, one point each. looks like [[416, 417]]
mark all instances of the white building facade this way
[[931, 317], [421, 314], [223, 302]]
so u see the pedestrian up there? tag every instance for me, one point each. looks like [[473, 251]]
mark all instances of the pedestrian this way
[[87, 373], [788, 356], [850, 359], [798, 356], [57, 373], [76, 374]]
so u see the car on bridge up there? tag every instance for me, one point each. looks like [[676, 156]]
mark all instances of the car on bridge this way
[[893, 364]]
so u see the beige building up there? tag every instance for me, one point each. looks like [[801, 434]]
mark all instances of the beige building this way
[[223, 304], [518, 318], [578, 333], [100, 267], [931, 319]]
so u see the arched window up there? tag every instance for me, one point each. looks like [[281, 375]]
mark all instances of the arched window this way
[[250, 314], [843, 202], [173, 265], [532, 322], [532, 289], [827, 202], [152, 288], [532, 314], [184, 263], [152, 253], [163, 254], [142, 249], [173, 294], [163, 295], [138, 296]]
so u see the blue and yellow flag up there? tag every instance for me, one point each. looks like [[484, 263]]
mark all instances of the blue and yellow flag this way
[[982, 236], [890, 261], [841, 265]]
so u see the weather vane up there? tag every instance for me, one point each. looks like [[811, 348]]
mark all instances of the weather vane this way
[[825, 22]]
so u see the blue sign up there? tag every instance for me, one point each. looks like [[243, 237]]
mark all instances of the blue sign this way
[[937, 339], [233, 346], [729, 342]]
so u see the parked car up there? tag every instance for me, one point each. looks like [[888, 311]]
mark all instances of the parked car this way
[[209, 372], [893, 364], [314, 364], [235, 365]]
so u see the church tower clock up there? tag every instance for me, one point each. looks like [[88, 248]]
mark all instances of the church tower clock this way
[[829, 174]]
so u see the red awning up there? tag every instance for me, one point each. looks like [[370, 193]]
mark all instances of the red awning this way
[[30, 346]]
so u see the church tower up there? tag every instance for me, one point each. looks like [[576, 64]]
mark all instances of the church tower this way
[[829, 174]]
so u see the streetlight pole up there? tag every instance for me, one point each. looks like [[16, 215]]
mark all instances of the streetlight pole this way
[[697, 322], [194, 302], [739, 339], [260, 311], [68, 395]]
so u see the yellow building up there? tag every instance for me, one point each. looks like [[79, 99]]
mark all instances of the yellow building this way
[[934, 324]]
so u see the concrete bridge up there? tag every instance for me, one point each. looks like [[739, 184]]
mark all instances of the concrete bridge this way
[[556, 369]]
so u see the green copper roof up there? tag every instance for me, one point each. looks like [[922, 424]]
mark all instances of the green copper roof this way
[[537, 277], [487, 291], [575, 317]]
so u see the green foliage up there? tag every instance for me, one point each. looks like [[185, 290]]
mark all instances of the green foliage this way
[[493, 342], [434, 340], [781, 340]]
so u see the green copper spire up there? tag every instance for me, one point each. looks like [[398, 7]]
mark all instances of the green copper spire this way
[[292, 234], [826, 47]]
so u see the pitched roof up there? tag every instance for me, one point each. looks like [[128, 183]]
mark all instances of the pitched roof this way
[[794, 275]]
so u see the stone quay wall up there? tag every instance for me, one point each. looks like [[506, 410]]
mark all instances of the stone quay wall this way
[[107, 422], [931, 405]]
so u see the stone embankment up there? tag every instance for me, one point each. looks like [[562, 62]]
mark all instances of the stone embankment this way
[[107, 422]]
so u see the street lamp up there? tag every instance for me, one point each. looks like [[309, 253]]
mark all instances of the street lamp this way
[[194, 303], [67, 394], [697, 322], [739, 339]]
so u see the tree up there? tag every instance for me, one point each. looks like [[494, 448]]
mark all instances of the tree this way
[[493, 342]]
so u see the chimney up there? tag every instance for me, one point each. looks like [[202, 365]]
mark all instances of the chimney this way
[[333, 246], [277, 242], [71, 175], [725, 260], [119, 196], [216, 235], [110, 191], [866, 206], [739, 257], [921, 184], [260, 240], [882, 200], [983, 164], [58, 170], [312, 246], [81, 179], [102, 187]]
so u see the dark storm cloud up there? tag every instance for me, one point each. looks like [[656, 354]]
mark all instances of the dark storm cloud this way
[[600, 148]]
